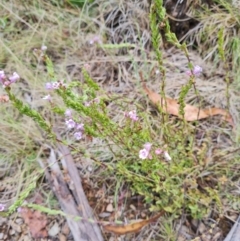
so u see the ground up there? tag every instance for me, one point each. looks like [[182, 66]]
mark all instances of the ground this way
[[112, 41]]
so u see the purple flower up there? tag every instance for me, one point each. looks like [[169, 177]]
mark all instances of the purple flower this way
[[19, 209], [48, 86], [68, 113], [70, 123], [52, 85], [197, 70], [78, 135], [145, 152], [14, 77], [2, 207], [80, 127]]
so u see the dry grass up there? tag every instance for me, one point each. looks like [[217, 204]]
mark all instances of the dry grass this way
[[67, 32]]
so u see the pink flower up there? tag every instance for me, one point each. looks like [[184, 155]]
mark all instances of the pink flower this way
[[87, 103], [143, 154], [158, 151], [2, 207], [6, 83], [14, 77], [132, 115], [197, 70], [95, 39], [87, 66], [78, 135], [148, 146], [70, 123], [56, 85]]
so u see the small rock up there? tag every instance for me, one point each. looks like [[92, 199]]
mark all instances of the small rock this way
[[2, 221], [12, 232], [133, 207], [194, 223], [65, 229], [15, 226], [181, 238], [109, 208], [19, 221], [217, 236], [104, 215], [54, 230], [201, 228], [206, 237], [26, 238], [62, 237]]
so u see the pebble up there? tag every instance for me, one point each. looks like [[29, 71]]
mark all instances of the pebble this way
[[12, 232], [15, 226], [65, 229], [62, 237], [104, 215], [109, 208], [54, 230], [23, 238], [201, 228], [19, 221], [133, 207], [143, 215], [2, 221], [217, 236]]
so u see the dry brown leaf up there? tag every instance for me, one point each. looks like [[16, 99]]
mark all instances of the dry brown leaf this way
[[36, 222], [192, 113], [130, 228]]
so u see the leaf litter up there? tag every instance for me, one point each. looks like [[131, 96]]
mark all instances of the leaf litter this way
[[131, 228], [102, 75], [191, 113], [36, 222]]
